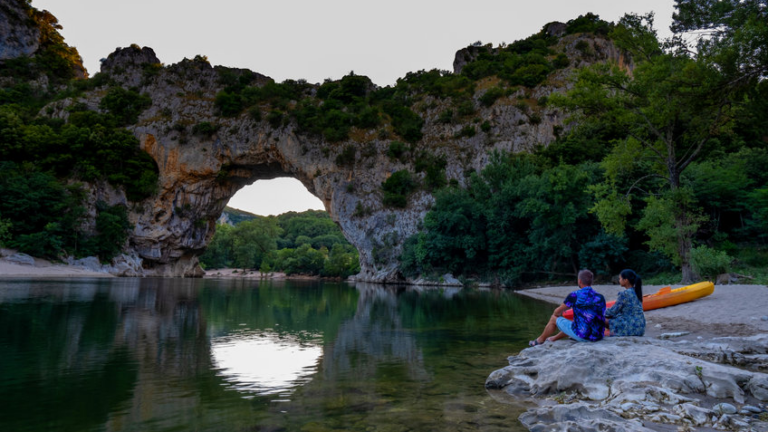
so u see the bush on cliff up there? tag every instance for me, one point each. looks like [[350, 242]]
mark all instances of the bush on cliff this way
[[125, 105], [397, 188]]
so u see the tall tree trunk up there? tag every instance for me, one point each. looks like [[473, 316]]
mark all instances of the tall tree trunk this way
[[685, 230], [684, 245]]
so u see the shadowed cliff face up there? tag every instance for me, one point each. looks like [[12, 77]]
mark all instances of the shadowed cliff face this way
[[201, 168]]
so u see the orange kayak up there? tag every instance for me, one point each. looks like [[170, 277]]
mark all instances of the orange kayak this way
[[667, 297]]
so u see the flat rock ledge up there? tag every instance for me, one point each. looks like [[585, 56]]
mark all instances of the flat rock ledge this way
[[639, 384]]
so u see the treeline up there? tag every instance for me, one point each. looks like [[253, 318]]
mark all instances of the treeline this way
[[44, 160], [307, 243], [664, 168]]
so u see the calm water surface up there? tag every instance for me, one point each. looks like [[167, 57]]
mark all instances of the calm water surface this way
[[230, 355]]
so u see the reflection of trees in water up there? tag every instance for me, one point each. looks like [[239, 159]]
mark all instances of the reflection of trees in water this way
[[373, 337], [164, 327], [87, 349], [162, 324]]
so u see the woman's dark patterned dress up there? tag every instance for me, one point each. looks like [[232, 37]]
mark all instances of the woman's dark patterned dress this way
[[625, 317]]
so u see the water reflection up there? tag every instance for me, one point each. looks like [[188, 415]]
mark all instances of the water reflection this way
[[374, 336], [175, 354], [265, 363]]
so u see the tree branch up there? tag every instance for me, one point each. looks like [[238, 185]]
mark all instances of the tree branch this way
[[683, 164], [639, 180], [645, 144]]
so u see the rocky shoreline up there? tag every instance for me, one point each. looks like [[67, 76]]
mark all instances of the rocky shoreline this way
[[682, 378]]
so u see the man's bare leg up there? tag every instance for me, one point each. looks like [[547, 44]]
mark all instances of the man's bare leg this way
[[557, 337], [549, 329]]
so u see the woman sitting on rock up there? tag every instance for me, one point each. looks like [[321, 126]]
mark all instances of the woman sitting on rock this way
[[625, 317]]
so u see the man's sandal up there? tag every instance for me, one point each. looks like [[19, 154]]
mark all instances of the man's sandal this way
[[534, 342]]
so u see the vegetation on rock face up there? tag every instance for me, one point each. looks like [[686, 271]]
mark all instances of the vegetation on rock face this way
[[334, 108], [397, 188], [662, 169], [307, 243], [43, 207], [41, 216], [124, 105], [54, 58]]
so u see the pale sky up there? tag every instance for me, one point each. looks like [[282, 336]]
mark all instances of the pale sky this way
[[317, 39]]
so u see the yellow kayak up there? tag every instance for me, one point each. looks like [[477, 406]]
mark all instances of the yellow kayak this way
[[670, 297], [667, 297]]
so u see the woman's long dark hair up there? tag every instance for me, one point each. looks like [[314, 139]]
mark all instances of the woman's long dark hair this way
[[636, 282]]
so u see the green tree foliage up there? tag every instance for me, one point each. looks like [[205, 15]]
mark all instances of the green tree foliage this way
[[397, 188], [254, 240], [709, 262], [44, 217], [5, 230], [396, 150], [44, 213], [525, 62], [294, 243], [347, 156], [490, 96], [434, 170], [125, 105], [437, 83], [220, 251], [42, 207], [302, 260], [206, 129], [342, 261], [405, 122], [517, 220], [313, 224], [671, 113], [733, 35], [588, 23], [90, 147], [112, 228]]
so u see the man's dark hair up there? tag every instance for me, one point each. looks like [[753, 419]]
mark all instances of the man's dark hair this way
[[586, 277]]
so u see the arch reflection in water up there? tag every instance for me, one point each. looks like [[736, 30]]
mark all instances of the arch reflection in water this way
[[265, 363]]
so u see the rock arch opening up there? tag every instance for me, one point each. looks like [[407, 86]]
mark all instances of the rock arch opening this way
[[274, 197]]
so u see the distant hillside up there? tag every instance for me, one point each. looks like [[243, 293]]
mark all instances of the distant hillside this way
[[233, 216]]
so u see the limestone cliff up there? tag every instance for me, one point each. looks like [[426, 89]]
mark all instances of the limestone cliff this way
[[204, 157], [200, 172], [19, 38], [28, 32]]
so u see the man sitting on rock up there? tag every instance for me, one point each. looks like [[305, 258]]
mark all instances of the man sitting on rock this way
[[588, 315]]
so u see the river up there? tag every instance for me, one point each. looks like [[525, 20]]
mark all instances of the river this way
[[236, 355]]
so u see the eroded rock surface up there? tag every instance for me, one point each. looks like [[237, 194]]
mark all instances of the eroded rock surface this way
[[19, 38], [637, 384], [199, 173]]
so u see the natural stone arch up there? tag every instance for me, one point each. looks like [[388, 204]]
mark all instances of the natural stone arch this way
[[195, 189], [200, 171]]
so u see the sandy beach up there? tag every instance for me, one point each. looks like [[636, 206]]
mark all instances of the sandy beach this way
[[732, 310]]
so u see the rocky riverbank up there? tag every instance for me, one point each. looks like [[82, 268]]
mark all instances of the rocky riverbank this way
[[701, 366], [15, 264]]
